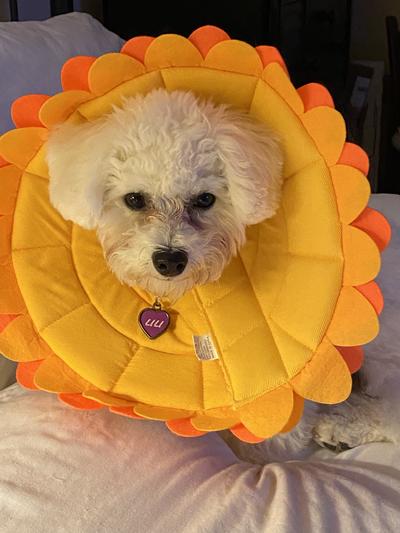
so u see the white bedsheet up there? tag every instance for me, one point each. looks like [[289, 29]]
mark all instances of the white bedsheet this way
[[63, 470]]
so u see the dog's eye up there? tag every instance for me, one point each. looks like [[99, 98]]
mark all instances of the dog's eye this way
[[135, 200], [204, 200]]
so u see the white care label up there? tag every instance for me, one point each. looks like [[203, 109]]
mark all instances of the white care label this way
[[204, 348]]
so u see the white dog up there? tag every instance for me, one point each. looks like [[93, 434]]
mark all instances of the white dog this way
[[170, 183]]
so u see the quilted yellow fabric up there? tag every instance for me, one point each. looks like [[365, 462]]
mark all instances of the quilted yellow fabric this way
[[288, 315]]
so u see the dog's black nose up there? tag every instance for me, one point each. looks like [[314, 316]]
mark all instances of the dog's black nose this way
[[170, 262]]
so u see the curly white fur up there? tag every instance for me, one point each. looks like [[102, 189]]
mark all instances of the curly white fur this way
[[169, 147]]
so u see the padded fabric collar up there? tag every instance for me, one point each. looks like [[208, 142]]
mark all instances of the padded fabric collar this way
[[289, 314]]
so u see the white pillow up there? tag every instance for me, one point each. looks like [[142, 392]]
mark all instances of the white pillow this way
[[32, 54]]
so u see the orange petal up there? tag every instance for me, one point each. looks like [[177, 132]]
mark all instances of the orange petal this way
[[107, 398], [327, 128], [208, 423], [183, 428], [362, 257], [111, 70], [354, 156], [159, 413], [75, 72], [297, 413], [10, 177], [352, 191], [373, 294], [25, 110], [11, 300], [270, 54], [234, 56], [245, 435], [354, 321], [59, 107], [376, 225], [171, 51], [78, 401], [277, 78], [5, 320], [269, 413], [206, 37], [315, 95], [3, 162], [125, 411], [21, 145], [26, 373], [353, 357], [137, 47], [56, 376], [325, 378]]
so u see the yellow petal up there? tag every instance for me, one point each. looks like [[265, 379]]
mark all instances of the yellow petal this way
[[155, 412], [297, 413], [352, 191], [54, 375], [171, 51], [354, 321], [107, 398], [208, 423], [362, 258], [327, 128], [19, 146], [234, 56], [277, 78], [59, 107], [267, 415], [19, 341], [111, 70], [325, 378]]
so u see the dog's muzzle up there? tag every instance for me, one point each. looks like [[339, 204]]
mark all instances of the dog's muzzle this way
[[170, 262]]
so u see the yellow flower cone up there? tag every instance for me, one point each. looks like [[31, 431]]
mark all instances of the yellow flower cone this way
[[308, 312]]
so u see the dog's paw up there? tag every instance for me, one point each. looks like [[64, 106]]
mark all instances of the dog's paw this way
[[332, 432], [348, 425]]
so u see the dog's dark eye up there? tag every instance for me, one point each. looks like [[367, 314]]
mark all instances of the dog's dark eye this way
[[135, 200], [204, 200]]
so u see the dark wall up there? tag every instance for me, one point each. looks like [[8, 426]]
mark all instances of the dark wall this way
[[245, 20]]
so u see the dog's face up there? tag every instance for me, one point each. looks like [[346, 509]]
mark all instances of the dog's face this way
[[170, 183]]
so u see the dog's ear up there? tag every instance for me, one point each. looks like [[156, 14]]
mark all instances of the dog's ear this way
[[74, 157], [253, 163]]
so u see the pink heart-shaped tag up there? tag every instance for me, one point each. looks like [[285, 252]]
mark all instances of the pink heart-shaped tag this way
[[153, 322]]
